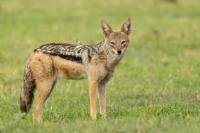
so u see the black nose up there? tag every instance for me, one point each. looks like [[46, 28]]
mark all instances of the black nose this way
[[119, 52]]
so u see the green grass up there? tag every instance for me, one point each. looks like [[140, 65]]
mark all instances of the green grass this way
[[156, 87]]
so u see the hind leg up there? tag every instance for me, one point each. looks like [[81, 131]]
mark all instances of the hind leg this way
[[43, 73], [44, 88]]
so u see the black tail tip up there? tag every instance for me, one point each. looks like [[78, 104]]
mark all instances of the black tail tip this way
[[23, 108]]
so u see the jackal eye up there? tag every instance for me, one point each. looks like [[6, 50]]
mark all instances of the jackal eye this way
[[123, 42], [112, 42]]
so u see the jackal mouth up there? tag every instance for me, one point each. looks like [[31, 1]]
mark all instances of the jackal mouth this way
[[117, 52]]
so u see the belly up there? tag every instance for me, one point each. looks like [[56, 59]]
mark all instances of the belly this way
[[68, 69]]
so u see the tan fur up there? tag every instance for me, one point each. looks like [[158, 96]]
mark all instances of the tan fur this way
[[45, 69]]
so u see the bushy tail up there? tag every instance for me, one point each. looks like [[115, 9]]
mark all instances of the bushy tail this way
[[27, 90]]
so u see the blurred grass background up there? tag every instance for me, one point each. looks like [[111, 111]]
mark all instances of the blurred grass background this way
[[155, 87]]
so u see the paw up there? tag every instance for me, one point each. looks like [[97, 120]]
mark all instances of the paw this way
[[93, 115]]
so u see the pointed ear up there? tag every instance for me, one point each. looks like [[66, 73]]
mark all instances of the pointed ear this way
[[126, 27], [106, 28]]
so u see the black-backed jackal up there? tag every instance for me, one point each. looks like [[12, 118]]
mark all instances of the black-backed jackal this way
[[93, 62]]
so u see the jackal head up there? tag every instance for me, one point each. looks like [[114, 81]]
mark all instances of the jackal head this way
[[117, 42]]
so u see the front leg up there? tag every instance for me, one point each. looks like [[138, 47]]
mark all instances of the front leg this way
[[92, 94], [102, 99]]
